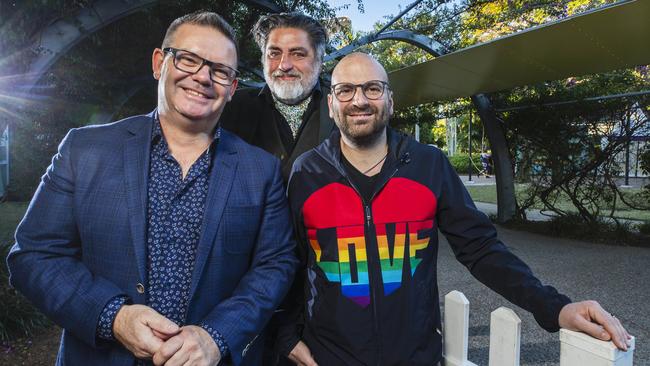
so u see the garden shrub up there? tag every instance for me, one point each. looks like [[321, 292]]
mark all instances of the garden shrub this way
[[461, 163], [18, 318]]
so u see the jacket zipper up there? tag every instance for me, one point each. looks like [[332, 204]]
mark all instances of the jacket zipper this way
[[368, 212]]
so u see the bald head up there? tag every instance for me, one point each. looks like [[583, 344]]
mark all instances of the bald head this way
[[357, 68], [361, 102]]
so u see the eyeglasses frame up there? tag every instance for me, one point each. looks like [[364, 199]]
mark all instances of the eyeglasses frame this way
[[385, 85], [173, 51]]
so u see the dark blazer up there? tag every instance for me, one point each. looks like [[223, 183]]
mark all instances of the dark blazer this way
[[83, 241], [251, 115]]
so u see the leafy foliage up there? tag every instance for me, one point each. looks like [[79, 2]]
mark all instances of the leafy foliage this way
[[17, 316], [644, 159], [562, 144], [644, 228], [574, 148]]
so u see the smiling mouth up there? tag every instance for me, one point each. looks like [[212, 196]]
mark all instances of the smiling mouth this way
[[196, 94], [284, 76]]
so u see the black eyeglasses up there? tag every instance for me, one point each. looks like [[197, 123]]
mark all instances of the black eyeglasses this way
[[373, 90], [187, 61]]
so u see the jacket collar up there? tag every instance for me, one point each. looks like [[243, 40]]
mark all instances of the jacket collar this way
[[330, 149], [143, 123]]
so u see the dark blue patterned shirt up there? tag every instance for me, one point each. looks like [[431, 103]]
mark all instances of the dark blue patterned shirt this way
[[175, 213]]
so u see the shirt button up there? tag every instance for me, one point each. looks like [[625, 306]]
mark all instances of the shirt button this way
[[140, 288]]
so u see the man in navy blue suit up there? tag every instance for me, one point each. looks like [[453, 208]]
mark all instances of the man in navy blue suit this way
[[161, 238]]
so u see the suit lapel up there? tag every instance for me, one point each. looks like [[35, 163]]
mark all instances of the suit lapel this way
[[222, 175], [276, 145], [269, 126], [136, 172]]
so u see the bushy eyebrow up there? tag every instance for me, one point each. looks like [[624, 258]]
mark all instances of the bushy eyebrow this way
[[303, 49]]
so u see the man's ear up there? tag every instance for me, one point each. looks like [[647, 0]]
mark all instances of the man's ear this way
[[233, 89], [390, 102], [157, 60], [329, 105]]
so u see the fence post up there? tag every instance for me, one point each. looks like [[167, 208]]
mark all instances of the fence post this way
[[577, 349], [505, 337], [456, 329]]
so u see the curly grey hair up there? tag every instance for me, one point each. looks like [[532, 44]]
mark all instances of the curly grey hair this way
[[315, 31]]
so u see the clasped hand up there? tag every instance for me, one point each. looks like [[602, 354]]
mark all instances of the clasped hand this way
[[149, 335]]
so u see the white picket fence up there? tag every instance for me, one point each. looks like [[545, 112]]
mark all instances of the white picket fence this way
[[576, 349]]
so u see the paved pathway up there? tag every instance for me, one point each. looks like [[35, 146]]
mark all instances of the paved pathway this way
[[617, 277]]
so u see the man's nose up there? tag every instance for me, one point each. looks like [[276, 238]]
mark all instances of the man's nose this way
[[359, 98], [285, 62], [202, 75]]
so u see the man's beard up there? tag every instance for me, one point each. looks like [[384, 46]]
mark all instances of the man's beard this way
[[365, 138], [290, 91]]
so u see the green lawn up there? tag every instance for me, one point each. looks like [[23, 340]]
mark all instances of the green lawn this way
[[488, 194], [10, 215]]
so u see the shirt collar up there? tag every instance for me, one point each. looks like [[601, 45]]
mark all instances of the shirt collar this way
[[157, 137]]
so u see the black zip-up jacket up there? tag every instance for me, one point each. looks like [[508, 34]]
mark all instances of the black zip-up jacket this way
[[369, 289]]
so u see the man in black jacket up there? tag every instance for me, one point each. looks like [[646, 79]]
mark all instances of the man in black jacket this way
[[367, 205], [287, 116]]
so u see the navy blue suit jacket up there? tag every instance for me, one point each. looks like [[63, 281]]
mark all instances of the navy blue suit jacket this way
[[83, 240]]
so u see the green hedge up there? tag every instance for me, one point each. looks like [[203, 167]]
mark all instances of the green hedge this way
[[461, 163], [644, 228], [18, 318]]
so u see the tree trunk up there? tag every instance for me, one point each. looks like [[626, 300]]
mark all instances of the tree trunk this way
[[506, 200]]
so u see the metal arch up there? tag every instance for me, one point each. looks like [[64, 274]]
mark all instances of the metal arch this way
[[423, 42], [63, 34], [60, 36], [107, 113]]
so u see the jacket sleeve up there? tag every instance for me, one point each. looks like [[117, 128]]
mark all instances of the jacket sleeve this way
[[241, 317], [45, 262], [474, 242]]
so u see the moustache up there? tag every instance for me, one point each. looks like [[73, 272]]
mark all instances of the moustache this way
[[352, 109], [280, 73]]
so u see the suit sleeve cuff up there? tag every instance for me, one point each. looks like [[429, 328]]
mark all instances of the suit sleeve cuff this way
[[218, 339], [107, 317]]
